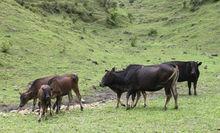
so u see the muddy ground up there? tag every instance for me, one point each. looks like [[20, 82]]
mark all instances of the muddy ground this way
[[97, 97]]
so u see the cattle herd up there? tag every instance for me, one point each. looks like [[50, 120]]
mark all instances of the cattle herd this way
[[134, 79]]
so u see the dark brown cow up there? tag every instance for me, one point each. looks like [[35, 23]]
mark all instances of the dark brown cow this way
[[188, 71], [44, 96], [154, 78], [32, 91], [63, 85], [118, 86], [146, 78]]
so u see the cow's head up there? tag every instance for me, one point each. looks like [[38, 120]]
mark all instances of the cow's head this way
[[46, 91], [24, 98], [194, 68], [107, 78]]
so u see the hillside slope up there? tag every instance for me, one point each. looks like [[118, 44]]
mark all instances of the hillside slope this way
[[40, 43]]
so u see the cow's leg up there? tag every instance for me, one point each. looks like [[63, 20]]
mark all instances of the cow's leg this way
[[58, 102], [55, 104], [189, 86], [138, 97], [41, 113], [133, 95], [122, 104], [34, 104], [39, 106], [127, 99], [145, 98], [50, 108], [70, 98], [175, 96], [194, 86], [168, 96], [76, 90], [118, 99]]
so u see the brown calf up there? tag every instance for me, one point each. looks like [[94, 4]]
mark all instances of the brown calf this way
[[63, 85], [44, 96]]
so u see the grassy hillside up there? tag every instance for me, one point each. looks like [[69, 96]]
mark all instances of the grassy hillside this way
[[43, 38]]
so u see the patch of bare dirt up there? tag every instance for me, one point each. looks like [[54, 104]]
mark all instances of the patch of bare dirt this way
[[97, 97]]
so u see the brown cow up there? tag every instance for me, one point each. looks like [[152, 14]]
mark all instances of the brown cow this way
[[44, 96], [62, 85], [32, 91]]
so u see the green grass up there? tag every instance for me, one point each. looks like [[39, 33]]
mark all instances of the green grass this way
[[196, 114], [53, 44]]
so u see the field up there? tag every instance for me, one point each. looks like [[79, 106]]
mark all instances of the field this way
[[36, 40]]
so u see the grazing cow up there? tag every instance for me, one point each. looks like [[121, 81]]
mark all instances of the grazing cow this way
[[188, 71], [44, 96], [154, 78], [116, 82], [63, 85], [32, 91]]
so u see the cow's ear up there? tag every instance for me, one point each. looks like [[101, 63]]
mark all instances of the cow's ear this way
[[113, 69], [200, 63], [106, 70], [20, 93]]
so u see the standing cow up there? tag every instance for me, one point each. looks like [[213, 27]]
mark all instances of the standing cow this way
[[44, 96], [188, 71], [63, 85], [154, 78], [115, 80]]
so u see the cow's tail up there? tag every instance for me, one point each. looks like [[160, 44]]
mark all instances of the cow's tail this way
[[175, 74], [174, 83]]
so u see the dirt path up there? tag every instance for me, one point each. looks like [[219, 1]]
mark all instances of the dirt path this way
[[97, 98]]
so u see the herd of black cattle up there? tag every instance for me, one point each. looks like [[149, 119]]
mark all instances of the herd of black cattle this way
[[134, 79]]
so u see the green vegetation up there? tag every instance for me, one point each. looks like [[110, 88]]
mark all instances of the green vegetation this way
[[48, 37]]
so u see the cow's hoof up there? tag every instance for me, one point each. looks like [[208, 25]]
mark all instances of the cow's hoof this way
[[176, 107], [123, 105], [145, 105], [195, 94], [165, 108], [39, 120], [81, 108]]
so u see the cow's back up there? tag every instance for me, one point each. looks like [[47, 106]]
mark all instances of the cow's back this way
[[35, 86], [149, 77]]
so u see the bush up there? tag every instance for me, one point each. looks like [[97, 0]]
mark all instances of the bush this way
[[133, 40], [21, 2], [197, 3], [5, 47], [152, 33], [117, 17]]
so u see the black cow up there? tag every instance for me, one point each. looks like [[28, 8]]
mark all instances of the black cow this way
[[154, 78], [115, 80], [146, 78], [188, 71]]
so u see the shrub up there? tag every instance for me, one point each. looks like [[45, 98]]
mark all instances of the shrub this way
[[5, 47], [117, 17], [197, 3], [152, 33], [133, 40]]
